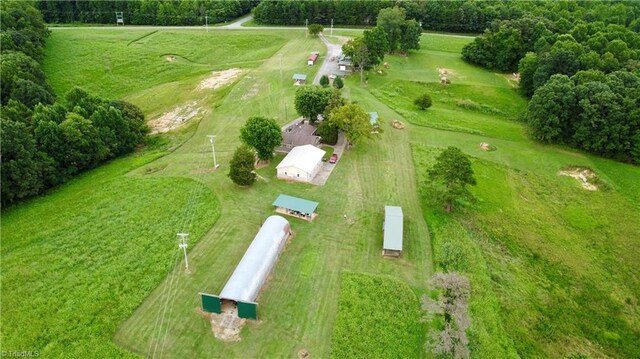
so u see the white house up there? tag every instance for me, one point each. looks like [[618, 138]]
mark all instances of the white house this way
[[301, 164]]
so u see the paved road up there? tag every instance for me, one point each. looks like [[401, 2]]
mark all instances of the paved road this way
[[328, 67], [236, 25], [323, 175]]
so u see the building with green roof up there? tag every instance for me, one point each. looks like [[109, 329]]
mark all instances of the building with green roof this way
[[296, 207]]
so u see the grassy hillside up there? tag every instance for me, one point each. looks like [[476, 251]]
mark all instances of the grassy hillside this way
[[78, 261], [114, 63], [553, 267]]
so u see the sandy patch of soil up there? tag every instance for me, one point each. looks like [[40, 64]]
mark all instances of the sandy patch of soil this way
[[226, 326], [170, 58], [397, 124], [175, 118], [487, 146], [304, 354], [583, 174], [446, 72], [219, 79]]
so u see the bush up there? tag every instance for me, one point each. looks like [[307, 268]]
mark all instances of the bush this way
[[242, 166], [315, 29], [324, 81], [423, 102], [338, 83]]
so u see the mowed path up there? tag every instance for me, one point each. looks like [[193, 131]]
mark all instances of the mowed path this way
[[299, 303]]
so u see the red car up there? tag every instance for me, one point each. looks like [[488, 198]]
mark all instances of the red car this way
[[334, 158]]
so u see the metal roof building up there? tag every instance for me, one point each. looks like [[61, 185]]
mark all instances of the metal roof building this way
[[247, 279], [299, 79], [301, 164], [393, 226], [296, 207]]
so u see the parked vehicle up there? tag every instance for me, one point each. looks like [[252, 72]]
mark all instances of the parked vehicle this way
[[334, 158]]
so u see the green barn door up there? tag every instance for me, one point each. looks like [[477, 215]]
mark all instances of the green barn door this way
[[210, 303], [248, 310]]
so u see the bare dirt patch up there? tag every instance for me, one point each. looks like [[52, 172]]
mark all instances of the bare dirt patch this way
[[175, 118], [219, 79], [397, 124], [304, 354], [487, 146], [226, 326], [583, 174], [170, 58]]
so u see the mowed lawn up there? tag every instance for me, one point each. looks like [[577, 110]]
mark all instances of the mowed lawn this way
[[299, 304], [554, 268]]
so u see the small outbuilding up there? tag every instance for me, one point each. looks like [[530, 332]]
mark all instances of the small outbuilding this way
[[296, 207], [345, 64], [299, 79], [301, 164], [373, 119], [393, 226], [312, 59], [243, 287]]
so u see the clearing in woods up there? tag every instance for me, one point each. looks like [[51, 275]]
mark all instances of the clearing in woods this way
[[537, 248]]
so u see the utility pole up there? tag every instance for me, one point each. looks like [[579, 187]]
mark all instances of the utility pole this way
[[331, 27], [206, 22], [213, 149], [183, 238]]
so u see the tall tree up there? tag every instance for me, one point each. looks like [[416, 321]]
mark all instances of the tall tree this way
[[242, 166], [263, 134], [391, 21], [377, 44], [410, 38], [310, 101], [450, 176], [354, 121]]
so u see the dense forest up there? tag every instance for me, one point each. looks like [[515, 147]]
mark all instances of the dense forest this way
[[596, 47], [46, 141], [144, 12]]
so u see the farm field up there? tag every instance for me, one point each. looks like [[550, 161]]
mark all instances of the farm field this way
[[537, 248]]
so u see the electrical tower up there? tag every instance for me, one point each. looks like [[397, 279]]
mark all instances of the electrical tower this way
[[182, 243]]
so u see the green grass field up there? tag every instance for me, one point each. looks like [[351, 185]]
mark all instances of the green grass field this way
[[538, 249]]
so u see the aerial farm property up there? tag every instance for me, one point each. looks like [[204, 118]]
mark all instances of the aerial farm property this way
[[320, 179]]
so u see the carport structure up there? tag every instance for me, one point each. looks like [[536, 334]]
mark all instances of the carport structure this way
[[242, 289], [296, 207]]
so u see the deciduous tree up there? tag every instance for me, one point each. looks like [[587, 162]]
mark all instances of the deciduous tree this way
[[354, 121], [242, 166], [450, 176], [263, 134], [315, 29], [310, 101]]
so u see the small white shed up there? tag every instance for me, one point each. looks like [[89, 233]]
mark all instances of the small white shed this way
[[301, 164]]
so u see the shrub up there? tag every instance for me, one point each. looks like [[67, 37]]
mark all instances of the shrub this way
[[324, 81], [338, 83], [242, 166], [423, 102]]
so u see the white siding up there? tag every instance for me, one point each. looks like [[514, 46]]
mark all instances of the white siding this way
[[293, 173]]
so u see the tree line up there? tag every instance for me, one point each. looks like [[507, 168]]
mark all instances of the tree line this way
[[145, 12], [45, 141], [595, 46]]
